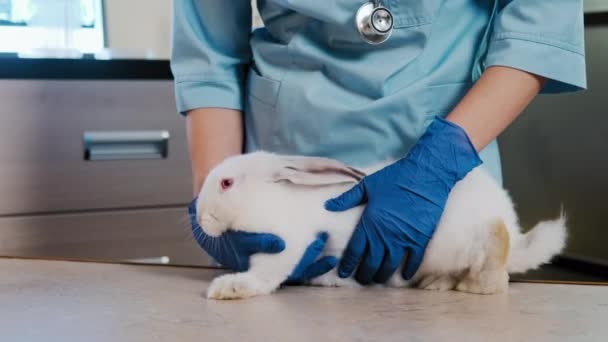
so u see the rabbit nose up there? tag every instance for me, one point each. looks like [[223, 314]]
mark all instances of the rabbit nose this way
[[210, 224]]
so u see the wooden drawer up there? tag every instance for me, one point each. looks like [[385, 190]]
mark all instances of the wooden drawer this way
[[43, 169], [113, 235]]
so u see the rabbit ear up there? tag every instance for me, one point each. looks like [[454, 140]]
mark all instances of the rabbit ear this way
[[316, 171]]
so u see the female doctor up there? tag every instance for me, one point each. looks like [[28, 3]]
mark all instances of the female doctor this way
[[428, 83]]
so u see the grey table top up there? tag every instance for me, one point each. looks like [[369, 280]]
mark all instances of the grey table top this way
[[76, 301]]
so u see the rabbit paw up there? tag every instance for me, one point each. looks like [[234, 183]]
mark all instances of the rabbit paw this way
[[485, 282], [233, 286], [331, 279], [437, 283]]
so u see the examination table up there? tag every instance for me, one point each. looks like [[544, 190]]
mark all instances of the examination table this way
[[55, 300]]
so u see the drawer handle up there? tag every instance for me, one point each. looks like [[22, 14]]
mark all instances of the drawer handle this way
[[121, 145]]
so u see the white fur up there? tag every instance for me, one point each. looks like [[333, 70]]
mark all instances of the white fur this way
[[262, 199]]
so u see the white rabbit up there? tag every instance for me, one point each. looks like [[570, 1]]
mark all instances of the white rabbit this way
[[478, 240]]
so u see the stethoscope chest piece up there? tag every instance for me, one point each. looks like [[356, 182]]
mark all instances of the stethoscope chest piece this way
[[374, 22]]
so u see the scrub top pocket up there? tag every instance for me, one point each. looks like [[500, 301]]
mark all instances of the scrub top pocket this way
[[264, 89], [261, 121], [411, 13]]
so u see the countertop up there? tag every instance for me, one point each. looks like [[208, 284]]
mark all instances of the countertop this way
[[83, 69], [43, 300]]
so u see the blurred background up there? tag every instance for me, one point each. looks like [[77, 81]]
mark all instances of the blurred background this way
[[93, 156], [127, 28]]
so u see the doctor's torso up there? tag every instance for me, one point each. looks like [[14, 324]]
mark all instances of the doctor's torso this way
[[315, 87]]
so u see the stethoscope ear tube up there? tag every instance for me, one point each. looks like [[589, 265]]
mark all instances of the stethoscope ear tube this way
[[374, 22]]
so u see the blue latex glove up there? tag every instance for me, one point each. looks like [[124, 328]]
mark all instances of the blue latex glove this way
[[404, 203], [232, 249], [308, 268]]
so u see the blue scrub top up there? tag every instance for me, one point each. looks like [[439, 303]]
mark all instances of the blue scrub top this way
[[308, 84]]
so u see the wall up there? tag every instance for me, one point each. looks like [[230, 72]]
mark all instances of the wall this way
[[139, 26], [150, 30], [596, 5]]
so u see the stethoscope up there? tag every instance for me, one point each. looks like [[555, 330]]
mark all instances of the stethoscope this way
[[375, 25], [374, 22]]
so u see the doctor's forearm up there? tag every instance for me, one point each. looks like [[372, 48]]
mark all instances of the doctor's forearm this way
[[494, 102], [213, 135]]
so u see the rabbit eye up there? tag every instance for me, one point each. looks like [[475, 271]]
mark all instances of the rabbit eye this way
[[226, 183]]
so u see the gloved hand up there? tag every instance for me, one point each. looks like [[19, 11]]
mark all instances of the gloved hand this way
[[232, 249], [308, 269], [404, 203]]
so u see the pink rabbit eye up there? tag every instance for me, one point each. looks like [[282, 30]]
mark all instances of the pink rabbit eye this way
[[226, 183]]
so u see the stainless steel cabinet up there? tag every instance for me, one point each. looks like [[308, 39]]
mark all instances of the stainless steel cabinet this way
[[55, 203], [145, 235], [42, 153]]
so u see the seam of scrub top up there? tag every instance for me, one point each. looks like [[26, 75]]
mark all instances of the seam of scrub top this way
[[405, 21], [537, 38]]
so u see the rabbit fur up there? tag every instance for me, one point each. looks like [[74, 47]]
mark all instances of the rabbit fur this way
[[477, 243]]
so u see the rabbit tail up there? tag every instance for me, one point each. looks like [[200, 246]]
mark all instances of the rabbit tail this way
[[537, 246]]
